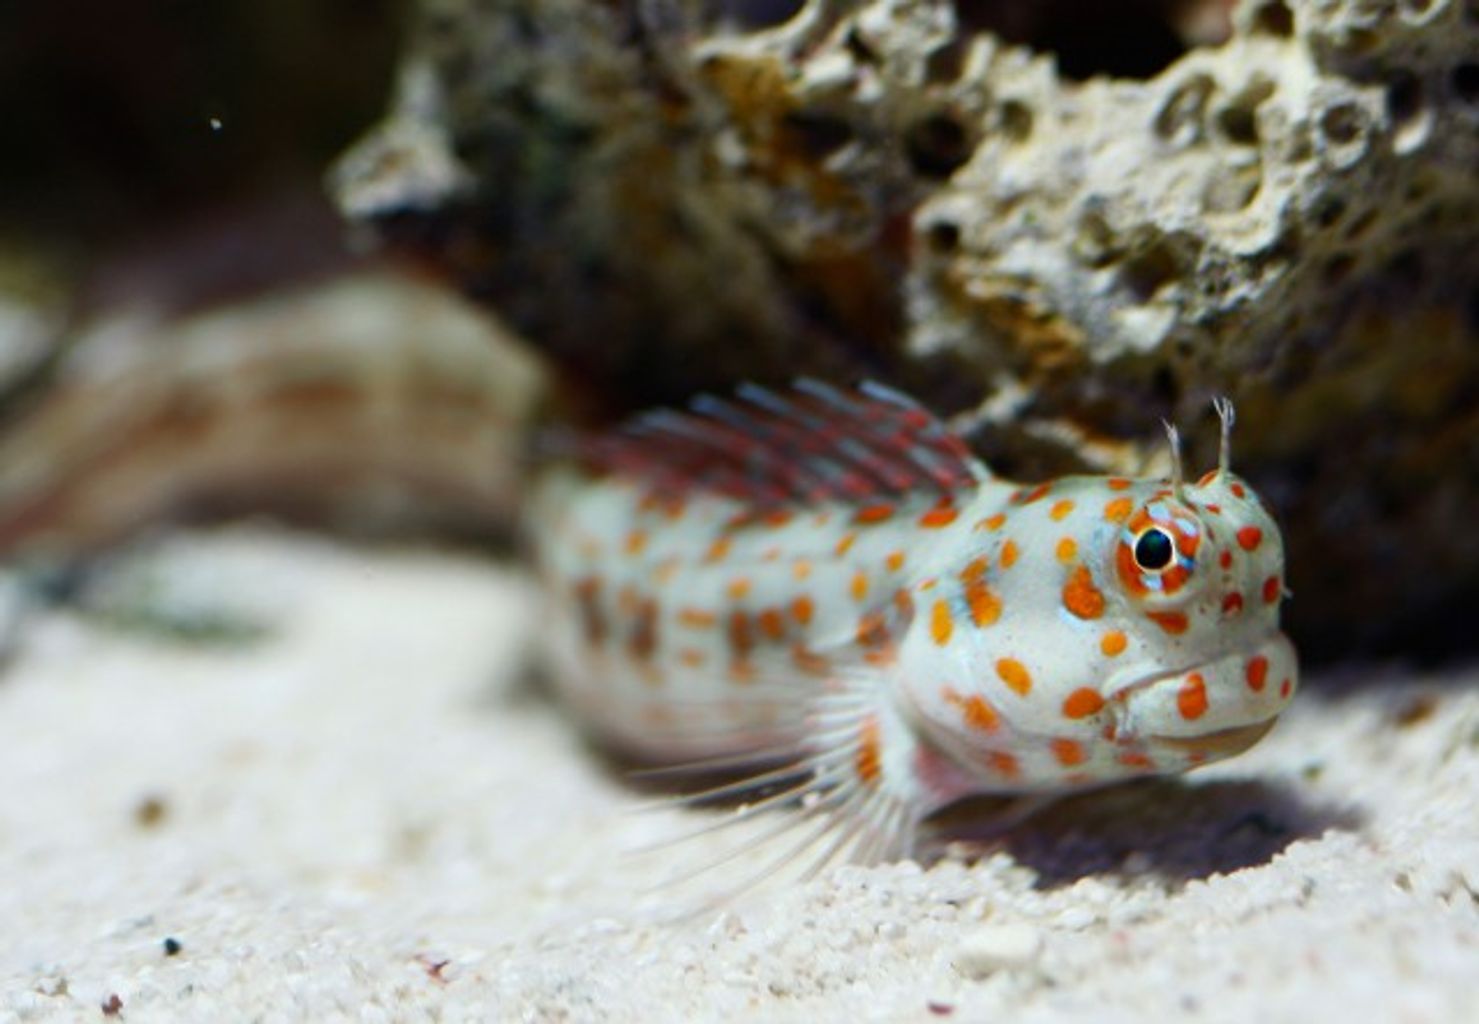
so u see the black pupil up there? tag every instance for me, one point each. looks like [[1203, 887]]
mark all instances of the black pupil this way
[[1153, 550]]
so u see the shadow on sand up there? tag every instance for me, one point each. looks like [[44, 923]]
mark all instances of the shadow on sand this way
[[1166, 827]]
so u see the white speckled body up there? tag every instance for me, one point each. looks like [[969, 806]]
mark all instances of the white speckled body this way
[[988, 639]]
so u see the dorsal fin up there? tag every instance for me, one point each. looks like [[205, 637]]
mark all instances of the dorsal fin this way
[[812, 442]]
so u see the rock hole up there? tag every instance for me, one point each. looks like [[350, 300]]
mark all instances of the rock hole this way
[[1016, 120], [1148, 272], [1417, 6], [1239, 124], [1163, 381], [1128, 39], [1343, 123], [754, 15], [945, 63], [816, 134], [1338, 268], [1406, 269], [943, 236], [1404, 97], [1465, 82], [1329, 210], [937, 145], [1180, 119], [860, 51], [1274, 19], [1358, 227]]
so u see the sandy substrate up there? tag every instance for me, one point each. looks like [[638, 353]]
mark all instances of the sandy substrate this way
[[369, 813]]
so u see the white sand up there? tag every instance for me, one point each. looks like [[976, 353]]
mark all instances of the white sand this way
[[375, 789]]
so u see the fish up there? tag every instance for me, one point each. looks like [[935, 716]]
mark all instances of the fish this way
[[825, 587]]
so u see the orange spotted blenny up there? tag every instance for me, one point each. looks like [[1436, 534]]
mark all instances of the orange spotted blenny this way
[[827, 583]]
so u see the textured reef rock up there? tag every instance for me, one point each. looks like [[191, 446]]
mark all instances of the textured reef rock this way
[[1060, 225]]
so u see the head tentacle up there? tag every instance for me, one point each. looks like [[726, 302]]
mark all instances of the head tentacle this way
[[1223, 406], [1173, 446]]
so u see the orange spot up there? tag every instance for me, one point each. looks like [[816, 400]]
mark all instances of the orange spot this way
[[1249, 537], [1191, 699], [940, 515], [1118, 510], [883, 656], [1271, 589], [1067, 550], [801, 569], [1225, 559], [980, 715], [738, 588], [636, 541], [691, 657], [845, 544], [1037, 493], [1285, 688], [859, 586], [1238, 490], [1216, 510], [985, 606], [718, 551], [1232, 604], [992, 522], [872, 630], [1117, 483], [867, 762], [1060, 510], [1082, 703], [1068, 752], [802, 610], [1135, 759], [1081, 597], [1207, 478], [643, 642], [873, 513], [941, 624], [696, 618], [1113, 643], [771, 623], [1187, 543], [894, 561], [780, 517], [1015, 675], [974, 570], [588, 605], [1257, 673], [1009, 554], [809, 661], [741, 640], [1003, 764], [1172, 622]]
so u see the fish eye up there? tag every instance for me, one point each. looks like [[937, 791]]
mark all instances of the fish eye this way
[[1154, 550]]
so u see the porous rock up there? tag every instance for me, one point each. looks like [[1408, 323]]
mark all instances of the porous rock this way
[[1273, 199]]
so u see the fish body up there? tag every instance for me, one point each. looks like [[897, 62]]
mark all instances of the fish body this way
[[831, 579]]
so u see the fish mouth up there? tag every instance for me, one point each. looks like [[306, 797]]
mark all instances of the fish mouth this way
[[1222, 743], [1213, 709]]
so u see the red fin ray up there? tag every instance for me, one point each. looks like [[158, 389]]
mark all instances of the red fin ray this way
[[811, 443]]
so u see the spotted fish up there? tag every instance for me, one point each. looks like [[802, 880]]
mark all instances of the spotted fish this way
[[828, 581]]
